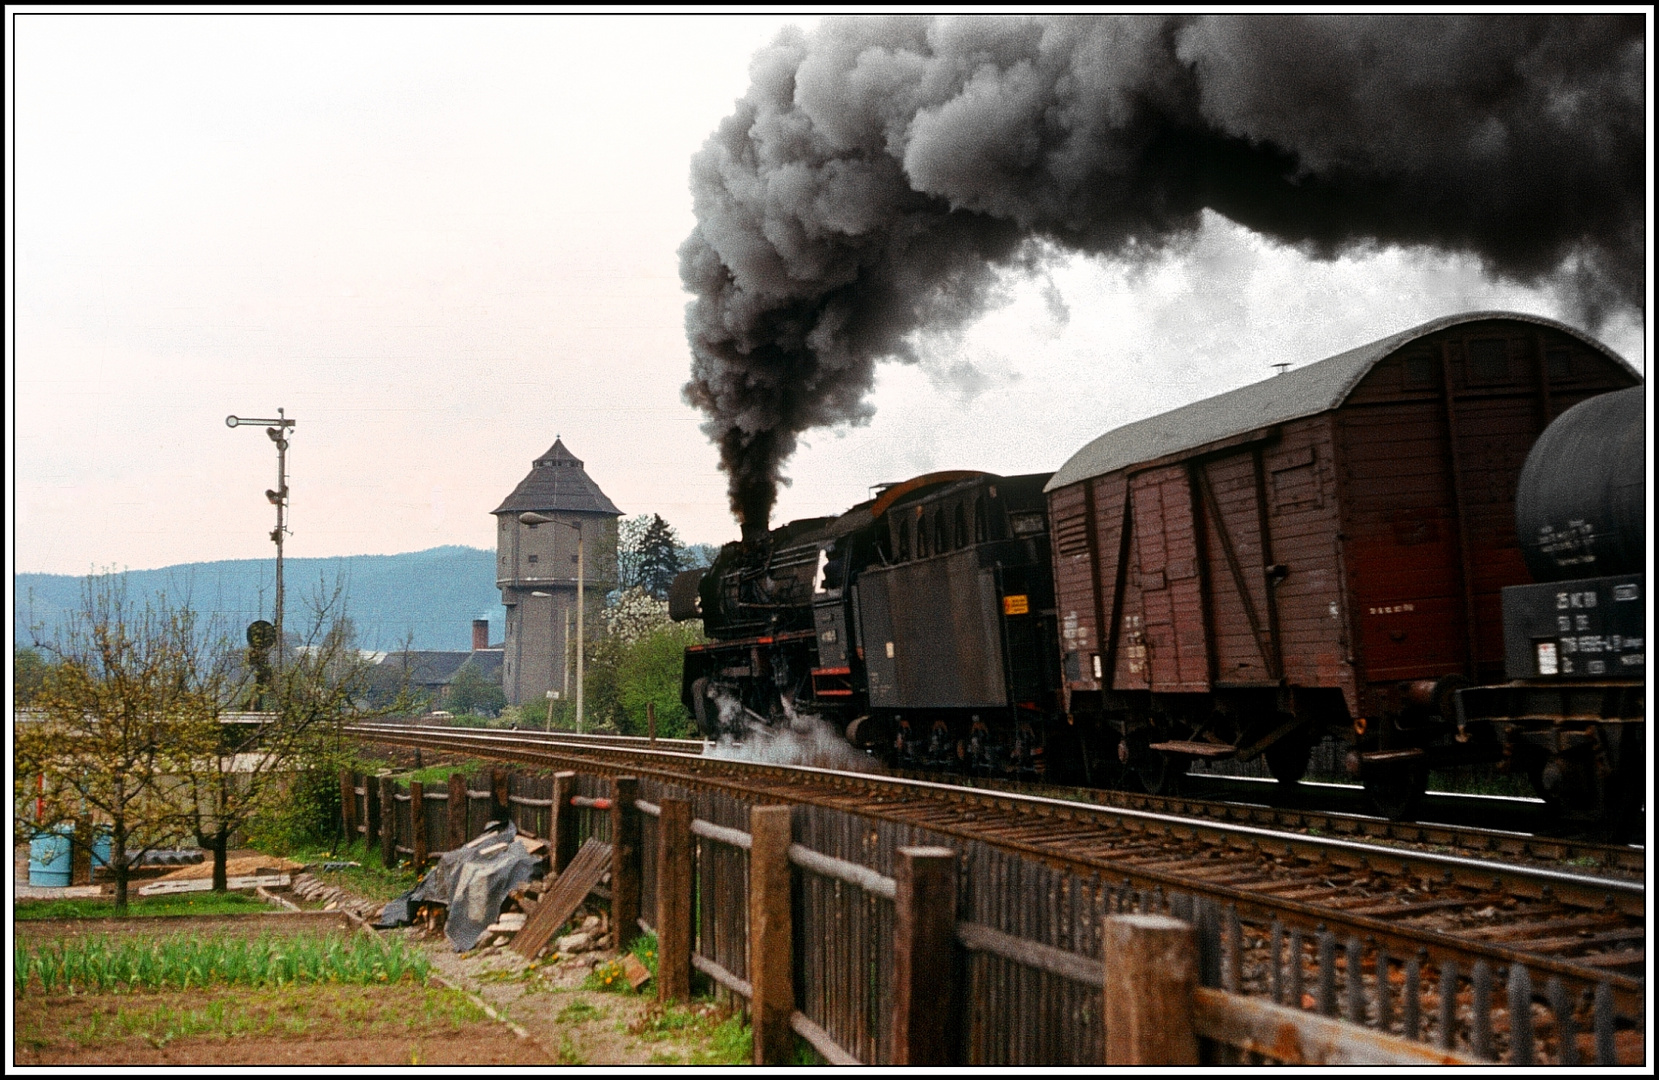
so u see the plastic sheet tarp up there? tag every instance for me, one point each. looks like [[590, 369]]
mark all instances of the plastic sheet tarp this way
[[472, 882]]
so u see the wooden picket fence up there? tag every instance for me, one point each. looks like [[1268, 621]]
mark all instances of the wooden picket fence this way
[[882, 944]]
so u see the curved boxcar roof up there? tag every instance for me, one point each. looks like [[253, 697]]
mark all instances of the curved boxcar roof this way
[[1305, 391]]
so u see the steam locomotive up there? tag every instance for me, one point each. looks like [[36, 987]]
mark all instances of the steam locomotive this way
[[1331, 551]]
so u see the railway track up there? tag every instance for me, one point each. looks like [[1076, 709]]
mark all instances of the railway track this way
[[1266, 805], [1584, 929]]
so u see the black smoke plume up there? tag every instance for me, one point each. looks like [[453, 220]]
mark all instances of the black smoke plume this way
[[880, 173]]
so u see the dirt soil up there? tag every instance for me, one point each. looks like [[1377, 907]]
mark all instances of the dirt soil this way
[[228, 1026], [237, 864], [576, 1026]]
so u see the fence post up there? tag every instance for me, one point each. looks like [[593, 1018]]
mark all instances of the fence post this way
[[924, 939], [564, 821], [674, 854], [771, 938], [417, 824], [1151, 971], [388, 819], [457, 817], [348, 804], [371, 813], [624, 860], [500, 808]]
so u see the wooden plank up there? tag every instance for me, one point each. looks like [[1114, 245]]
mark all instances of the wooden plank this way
[[371, 813], [500, 808], [924, 925], [1068, 965], [348, 803], [625, 856], [770, 935], [388, 818], [235, 884], [741, 987], [564, 820], [417, 826], [457, 816], [675, 849], [1305, 1038], [828, 1048], [561, 901], [1151, 973]]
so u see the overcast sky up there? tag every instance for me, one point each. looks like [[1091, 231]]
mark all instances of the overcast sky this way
[[440, 240]]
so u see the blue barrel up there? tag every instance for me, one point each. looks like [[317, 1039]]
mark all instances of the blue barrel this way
[[49, 856]]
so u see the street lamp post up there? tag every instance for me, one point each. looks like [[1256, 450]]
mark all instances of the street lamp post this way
[[278, 431], [532, 518]]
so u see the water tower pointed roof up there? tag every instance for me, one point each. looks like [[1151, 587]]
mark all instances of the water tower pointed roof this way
[[557, 481]]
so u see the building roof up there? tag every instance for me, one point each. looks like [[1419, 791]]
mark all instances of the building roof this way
[[557, 481], [1305, 391]]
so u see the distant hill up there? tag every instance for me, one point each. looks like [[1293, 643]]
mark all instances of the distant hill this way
[[431, 595]]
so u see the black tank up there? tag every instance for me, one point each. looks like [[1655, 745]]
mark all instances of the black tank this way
[[1580, 504]]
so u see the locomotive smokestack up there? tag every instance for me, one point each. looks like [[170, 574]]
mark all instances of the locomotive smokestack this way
[[879, 173]]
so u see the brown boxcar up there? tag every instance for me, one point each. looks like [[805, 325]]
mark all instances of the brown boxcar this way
[[1320, 551]]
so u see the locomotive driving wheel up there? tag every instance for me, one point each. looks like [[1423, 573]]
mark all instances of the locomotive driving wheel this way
[[704, 708]]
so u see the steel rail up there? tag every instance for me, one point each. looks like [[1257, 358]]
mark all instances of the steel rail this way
[[907, 800], [1471, 839]]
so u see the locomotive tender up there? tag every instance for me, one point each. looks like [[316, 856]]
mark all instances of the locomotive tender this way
[[1323, 552]]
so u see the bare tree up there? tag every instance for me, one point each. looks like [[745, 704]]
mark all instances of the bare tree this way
[[111, 725], [240, 769]]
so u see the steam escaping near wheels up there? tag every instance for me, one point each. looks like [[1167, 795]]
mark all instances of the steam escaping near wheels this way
[[802, 739]]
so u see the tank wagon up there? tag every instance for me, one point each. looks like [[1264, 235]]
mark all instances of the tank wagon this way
[[1325, 552], [1321, 552], [1572, 716]]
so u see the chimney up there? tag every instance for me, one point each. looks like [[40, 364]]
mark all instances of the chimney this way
[[480, 634]]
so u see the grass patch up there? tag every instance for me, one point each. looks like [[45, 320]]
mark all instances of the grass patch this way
[[368, 879], [1480, 780], [139, 907], [578, 1012], [439, 774], [725, 1039], [100, 965]]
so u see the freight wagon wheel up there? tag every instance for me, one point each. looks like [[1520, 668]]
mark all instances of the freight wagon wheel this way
[[1287, 759], [1395, 792], [1160, 773]]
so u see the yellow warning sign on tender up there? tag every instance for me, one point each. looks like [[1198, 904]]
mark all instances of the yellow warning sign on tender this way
[[1016, 605]]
